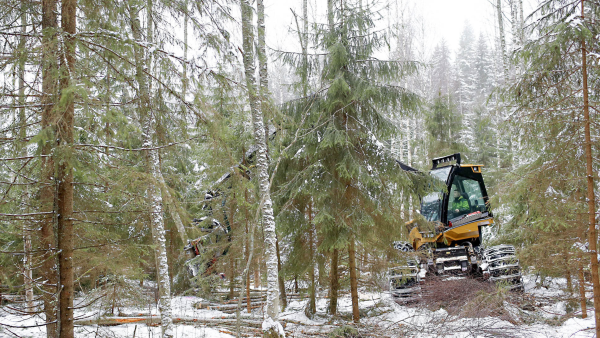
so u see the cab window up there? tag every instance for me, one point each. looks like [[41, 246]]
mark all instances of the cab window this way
[[465, 197]]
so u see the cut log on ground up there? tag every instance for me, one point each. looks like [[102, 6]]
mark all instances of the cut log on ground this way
[[155, 320], [220, 307]]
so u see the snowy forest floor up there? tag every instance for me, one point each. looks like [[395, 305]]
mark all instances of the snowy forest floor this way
[[539, 312]]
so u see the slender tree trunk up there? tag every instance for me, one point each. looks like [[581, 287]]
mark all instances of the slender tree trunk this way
[[231, 277], [312, 302], [282, 296], [521, 22], [502, 40], [295, 283], [256, 273], [591, 198], [247, 275], [49, 87], [334, 283], [21, 150], [568, 271], [153, 168], [304, 48], [64, 175], [263, 73], [353, 279], [321, 261], [184, 81], [330, 14], [172, 208], [271, 326], [514, 15], [582, 298]]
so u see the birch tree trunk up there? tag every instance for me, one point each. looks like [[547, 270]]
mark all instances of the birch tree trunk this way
[[271, 326], [312, 302], [153, 168], [49, 87], [184, 81], [515, 24], [502, 40], [591, 197], [64, 174], [304, 47], [521, 22]]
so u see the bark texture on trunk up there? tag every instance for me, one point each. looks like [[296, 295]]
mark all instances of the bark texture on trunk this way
[[153, 168], [263, 82], [170, 201], [64, 175], [231, 277], [334, 283], [49, 88], [158, 239], [591, 198], [353, 279], [502, 40], [250, 237], [568, 276], [184, 81], [268, 219], [282, 295], [582, 298], [22, 151], [312, 302]]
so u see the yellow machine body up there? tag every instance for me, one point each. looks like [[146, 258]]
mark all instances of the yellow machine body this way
[[448, 236]]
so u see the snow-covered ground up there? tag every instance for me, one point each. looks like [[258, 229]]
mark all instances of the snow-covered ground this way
[[380, 317]]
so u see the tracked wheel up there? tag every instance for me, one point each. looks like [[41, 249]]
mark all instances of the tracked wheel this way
[[404, 281], [501, 266], [403, 246]]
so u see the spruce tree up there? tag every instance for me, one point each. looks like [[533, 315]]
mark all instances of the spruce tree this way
[[551, 100], [340, 163]]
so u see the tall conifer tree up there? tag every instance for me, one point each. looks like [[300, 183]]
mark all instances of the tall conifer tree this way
[[552, 100], [339, 162]]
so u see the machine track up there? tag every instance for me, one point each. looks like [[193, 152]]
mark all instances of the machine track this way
[[500, 265], [405, 282]]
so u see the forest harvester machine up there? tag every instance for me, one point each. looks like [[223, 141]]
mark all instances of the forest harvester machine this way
[[445, 241]]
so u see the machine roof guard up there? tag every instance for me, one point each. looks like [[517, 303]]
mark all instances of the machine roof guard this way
[[449, 158]]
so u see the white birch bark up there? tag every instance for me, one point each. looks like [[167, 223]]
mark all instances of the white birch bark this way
[[271, 326], [185, 52], [515, 24], [158, 234], [153, 168], [502, 40], [521, 22]]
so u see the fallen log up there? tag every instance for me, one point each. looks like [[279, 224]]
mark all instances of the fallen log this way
[[221, 307], [252, 299], [155, 320], [230, 311]]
